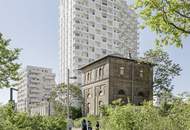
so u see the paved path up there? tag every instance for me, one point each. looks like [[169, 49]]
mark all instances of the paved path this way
[[76, 129]]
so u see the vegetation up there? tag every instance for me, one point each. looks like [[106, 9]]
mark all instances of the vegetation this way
[[8, 66], [170, 19], [165, 70], [58, 97], [11, 120], [147, 117]]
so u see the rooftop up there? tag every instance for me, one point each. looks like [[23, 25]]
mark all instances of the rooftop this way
[[119, 57]]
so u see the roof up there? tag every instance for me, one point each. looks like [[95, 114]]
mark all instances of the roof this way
[[116, 56]]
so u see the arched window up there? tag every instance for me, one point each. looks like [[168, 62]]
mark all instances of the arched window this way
[[121, 92], [88, 95], [96, 74], [141, 73], [100, 72], [88, 76], [141, 94]]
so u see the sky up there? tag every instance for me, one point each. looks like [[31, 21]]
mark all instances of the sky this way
[[33, 26]]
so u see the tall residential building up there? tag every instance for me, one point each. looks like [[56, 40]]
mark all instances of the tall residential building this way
[[91, 29], [34, 87]]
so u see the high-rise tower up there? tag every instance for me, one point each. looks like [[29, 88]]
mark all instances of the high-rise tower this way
[[90, 29]]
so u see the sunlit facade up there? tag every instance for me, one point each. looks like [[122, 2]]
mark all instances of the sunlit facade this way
[[89, 30]]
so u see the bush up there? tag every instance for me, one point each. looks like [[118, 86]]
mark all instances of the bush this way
[[147, 117], [10, 120]]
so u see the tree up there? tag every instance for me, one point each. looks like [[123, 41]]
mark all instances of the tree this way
[[170, 19], [11, 120], [59, 97], [147, 117], [8, 66], [165, 70]]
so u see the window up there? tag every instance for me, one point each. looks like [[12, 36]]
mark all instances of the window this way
[[79, 60], [77, 21], [141, 74], [104, 39], [77, 34], [77, 47], [121, 92], [96, 74], [101, 93], [88, 76], [88, 108], [122, 70], [93, 12], [88, 95], [104, 27], [100, 103], [141, 94], [104, 51], [100, 72], [104, 2], [104, 15], [92, 36], [77, 8]]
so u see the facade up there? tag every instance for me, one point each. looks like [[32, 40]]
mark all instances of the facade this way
[[44, 108], [114, 77], [34, 87], [89, 30]]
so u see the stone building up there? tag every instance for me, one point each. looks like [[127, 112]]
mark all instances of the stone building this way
[[114, 77]]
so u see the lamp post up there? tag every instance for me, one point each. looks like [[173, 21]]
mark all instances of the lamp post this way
[[11, 96], [49, 107], [68, 101]]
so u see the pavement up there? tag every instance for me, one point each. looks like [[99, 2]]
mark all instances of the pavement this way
[[76, 129]]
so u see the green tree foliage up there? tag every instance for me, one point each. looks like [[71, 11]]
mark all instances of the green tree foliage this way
[[170, 19], [11, 120], [8, 67], [165, 70], [147, 117], [59, 100]]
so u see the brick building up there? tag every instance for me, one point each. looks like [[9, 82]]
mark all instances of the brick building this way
[[113, 77]]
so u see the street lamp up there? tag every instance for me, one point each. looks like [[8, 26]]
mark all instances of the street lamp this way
[[11, 96], [49, 107], [68, 102]]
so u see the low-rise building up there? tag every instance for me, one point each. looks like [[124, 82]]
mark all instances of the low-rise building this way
[[113, 77]]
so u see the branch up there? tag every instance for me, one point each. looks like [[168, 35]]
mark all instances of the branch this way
[[177, 12], [166, 20]]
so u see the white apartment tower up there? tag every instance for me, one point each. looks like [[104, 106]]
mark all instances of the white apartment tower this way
[[90, 29], [34, 87]]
